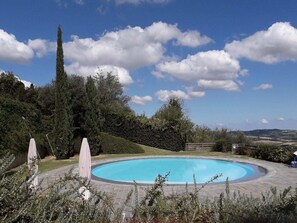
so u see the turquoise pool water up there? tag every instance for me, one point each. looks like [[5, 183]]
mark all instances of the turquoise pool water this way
[[181, 170]]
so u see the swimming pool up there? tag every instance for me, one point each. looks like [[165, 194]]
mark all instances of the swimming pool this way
[[181, 170]]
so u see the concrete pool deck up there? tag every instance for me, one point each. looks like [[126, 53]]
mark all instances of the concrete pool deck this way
[[279, 175]]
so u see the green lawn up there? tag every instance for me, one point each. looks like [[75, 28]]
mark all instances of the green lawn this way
[[50, 163]]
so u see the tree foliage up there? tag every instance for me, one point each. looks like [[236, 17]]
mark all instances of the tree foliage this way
[[111, 97], [93, 117], [173, 113], [62, 126]]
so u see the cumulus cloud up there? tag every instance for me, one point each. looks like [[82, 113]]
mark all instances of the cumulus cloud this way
[[136, 2], [210, 65], [26, 83], [264, 121], [281, 119], [13, 50], [41, 47], [211, 69], [79, 2], [124, 50], [165, 95], [227, 85], [130, 48], [192, 39], [141, 100], [263, 87], [278, 43], [121, 73]]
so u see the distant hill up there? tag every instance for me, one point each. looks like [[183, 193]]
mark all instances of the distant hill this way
[[273, 134]]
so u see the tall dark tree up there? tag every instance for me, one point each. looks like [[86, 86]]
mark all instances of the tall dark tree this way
[[62, 126], [78, 103], [93, 118]]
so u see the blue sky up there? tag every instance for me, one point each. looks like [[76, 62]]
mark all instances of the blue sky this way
[[234, 63]]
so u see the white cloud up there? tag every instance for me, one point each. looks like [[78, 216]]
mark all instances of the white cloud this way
[[263, 87], [281, 119], [123, 50], [210, 65], [130, 48], [211, 69], [121, 73], [41, 47], [227, 85], [141, 100], [165, 95], [136, 2], [26, 83], [192, 39], [12, 50], [278, 43], [102, 10], [79, 2], [62, 3], [264, 121], [244, 72]]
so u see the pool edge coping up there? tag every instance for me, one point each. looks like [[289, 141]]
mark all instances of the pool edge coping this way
[[269, 170]]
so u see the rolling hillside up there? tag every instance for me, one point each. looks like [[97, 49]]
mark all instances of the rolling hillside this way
[[273, 134]]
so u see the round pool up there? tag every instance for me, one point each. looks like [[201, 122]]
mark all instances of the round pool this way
[[181, 170]]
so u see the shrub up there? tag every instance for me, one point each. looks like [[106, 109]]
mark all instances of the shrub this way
[[273, 206], [115, 145], [273, 153], [222, 145], [60, 201], [242, 150]]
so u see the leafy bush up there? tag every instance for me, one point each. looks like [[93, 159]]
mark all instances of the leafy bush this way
[[222, 145], [60, 201], [273, 153], [242, 150], [273, 206], [115, 145]]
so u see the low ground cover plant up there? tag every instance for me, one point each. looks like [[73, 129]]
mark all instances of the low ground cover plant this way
[[60, 202]]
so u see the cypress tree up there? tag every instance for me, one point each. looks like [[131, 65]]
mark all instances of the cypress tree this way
[[93, 118], [62, 126]]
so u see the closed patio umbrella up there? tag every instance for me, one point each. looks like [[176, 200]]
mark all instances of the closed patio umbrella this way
[[32, 162], [85, 166]]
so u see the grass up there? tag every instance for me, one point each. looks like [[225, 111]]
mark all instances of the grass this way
[[51, 163]]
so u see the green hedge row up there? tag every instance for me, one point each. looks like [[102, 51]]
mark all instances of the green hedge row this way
[[115, 145], [132, 129], [18, 123], [273, 153]]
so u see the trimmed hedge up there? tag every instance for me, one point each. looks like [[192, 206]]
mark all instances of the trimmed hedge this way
[[114, 145], [144, 133], [19, 121], [273, 153]]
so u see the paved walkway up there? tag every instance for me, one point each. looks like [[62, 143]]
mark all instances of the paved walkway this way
[[279, 175]]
